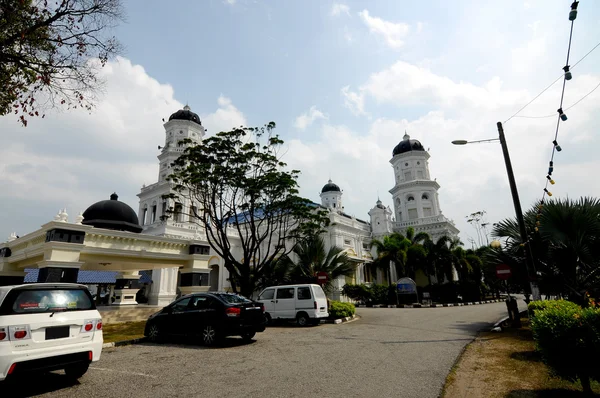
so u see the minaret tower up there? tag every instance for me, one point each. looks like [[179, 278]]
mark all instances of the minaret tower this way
[[153, 215], [415, 194]]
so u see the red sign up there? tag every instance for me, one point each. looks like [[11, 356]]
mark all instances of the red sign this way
[[503, 271], [322, 277]]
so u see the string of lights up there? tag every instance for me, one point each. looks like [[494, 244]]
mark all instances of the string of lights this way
[[566, 109], [550, 85], [562, 117]]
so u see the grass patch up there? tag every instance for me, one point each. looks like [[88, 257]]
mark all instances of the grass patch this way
[[123, 331], [506, 364]]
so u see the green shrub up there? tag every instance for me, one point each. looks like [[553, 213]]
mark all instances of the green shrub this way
[[338, 309], [568, 337], [540, 305], [379, 294]]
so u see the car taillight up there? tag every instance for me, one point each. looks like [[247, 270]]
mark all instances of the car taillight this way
[[90, 355], [20, 333], [12, 368], [88, 326], [262, 307], [3, 334], [233, 311], [315, 305], [99, 325]]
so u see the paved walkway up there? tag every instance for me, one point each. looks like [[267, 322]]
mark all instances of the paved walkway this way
[[388, 352]]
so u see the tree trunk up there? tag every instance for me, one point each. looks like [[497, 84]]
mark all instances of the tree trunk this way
[[585, 384]]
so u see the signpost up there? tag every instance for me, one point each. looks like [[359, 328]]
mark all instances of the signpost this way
[[407, 286], [503, 271], [322, 277]]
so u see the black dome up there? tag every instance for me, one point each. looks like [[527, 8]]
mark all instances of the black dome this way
[[186, 114], [407, 145], [112, 214], [330, 187]]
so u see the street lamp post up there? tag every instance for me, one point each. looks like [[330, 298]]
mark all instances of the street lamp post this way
[[529, 265]]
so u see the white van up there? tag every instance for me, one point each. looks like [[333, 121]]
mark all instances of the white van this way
[[48, 326], [305, 303]]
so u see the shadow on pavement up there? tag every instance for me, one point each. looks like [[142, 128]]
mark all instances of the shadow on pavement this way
[[43, 384], [472, 326], [189, 342]]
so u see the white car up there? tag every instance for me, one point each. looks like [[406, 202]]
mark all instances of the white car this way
[[48, 326], [305, 303]]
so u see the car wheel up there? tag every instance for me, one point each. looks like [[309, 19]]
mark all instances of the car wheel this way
[[210, 336], [76, 371], [154, 334], [303, 319], [248, 336], [268, 319]]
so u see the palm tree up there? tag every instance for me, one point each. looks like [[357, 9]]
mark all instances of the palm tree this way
[[565, 247], [438, 254], [312, 258], [392, 249]]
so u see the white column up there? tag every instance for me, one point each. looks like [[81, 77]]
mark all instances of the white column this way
[[164, 286]]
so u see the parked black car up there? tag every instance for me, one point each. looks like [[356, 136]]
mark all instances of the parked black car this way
[[212, 316]]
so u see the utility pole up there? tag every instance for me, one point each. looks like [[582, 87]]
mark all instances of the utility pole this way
[[529, 265]]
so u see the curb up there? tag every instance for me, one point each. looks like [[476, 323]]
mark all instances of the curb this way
[[341, 320], [123, 342], [430, 305]]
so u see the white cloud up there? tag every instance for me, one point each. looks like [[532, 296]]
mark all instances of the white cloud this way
[[308, 118], [353, 101], [472, 177], [393, 33], [73, 159], [338, 8], [230, 2], [225, 118]]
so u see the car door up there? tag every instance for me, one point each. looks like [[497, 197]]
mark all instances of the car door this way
[[176, 317], [285, 302], [267, 298], [203, 310]]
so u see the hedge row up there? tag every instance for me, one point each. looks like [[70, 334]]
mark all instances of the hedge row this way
[[338, 309], [568, 338]]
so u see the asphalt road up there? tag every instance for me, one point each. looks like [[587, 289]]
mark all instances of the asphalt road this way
[[388, 352]]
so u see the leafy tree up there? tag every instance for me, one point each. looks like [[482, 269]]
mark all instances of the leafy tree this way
[[50, 52], [245, 198], [312, 258]]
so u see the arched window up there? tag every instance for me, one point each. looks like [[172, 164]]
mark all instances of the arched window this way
[[425, 197], [410, 198], [398, 201], [153, 214], [144, 214]]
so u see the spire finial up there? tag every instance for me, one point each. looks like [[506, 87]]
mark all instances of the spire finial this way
[[186, 107], [406, 136]]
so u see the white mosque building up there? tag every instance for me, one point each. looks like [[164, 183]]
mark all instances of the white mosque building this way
[[110, 236]]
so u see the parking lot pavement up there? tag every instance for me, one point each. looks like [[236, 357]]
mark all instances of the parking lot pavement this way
[[388, 352]]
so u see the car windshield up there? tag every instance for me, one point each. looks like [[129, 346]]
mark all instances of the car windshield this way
[[49, 300], [233, 298]]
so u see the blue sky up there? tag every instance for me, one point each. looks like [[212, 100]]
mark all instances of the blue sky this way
[[343, 81]]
